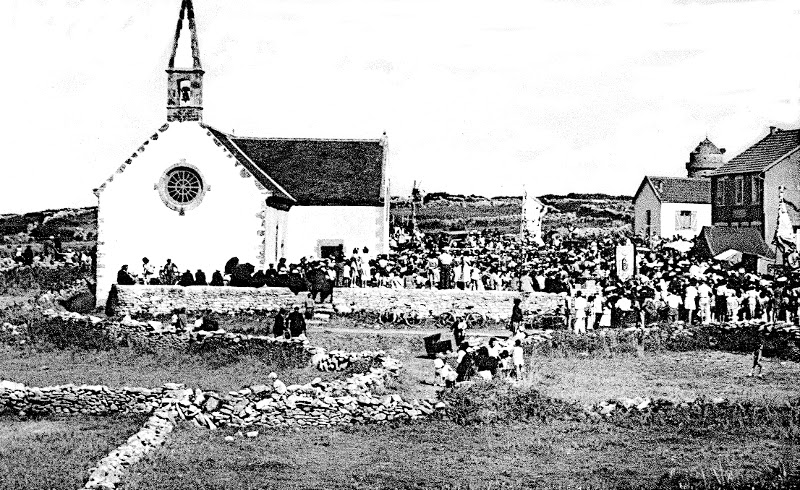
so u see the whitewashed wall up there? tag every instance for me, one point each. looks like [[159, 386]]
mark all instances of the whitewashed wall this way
[[355, 226], [667, 218], [133, 221]]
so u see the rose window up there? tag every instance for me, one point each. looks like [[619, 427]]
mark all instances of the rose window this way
[[183, 185]]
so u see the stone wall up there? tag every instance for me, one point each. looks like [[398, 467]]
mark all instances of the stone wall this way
[[160, 300], [495, 305]]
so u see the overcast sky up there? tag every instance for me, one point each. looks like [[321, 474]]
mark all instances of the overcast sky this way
[[476, 97]]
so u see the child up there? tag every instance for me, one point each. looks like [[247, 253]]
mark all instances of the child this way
[[517, 358], [757, 354]]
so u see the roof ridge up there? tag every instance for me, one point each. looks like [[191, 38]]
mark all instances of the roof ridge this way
[[274, 138]]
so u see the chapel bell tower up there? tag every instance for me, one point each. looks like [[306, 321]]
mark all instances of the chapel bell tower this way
[[185, 83]]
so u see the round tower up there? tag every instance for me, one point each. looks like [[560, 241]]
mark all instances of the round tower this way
[[704, 159]]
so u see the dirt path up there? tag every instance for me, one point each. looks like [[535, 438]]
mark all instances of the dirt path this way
[[403, 331]]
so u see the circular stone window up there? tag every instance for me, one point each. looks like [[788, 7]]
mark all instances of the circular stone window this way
[[181, 187]]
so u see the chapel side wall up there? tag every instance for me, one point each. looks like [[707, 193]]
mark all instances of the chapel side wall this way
[[134, 222], [355, 226], [157, 300], [668, 211], [646, 200]]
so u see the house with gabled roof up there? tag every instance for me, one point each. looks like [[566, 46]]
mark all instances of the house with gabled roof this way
[[199, 195], [668, 207], [746, 190]]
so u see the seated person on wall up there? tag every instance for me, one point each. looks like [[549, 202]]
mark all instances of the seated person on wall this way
[[230, 265], [296, 282], [200, 278], [216, 279], [242, 275], [259, 279], [124, 278], [187, 279]]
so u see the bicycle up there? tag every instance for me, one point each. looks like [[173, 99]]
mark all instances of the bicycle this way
[[395, 314], [473, 319]]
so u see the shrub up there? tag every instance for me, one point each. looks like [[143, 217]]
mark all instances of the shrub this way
[[54, 332], [39, 278], [497, 401]]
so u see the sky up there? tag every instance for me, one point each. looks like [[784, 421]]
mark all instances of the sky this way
[[475, 97]]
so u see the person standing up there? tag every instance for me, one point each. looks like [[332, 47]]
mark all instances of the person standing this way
[[579, 308], [757, 355], [279, 327], [518, 358], [516, 316], [309, 306], [690, 302], [445, 270], [704, 293], [297, 324]]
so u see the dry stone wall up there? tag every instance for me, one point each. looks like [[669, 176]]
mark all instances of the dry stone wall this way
[[162, 300]]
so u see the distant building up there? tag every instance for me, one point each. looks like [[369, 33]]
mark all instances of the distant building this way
[[199, 196], [746, 189], [666, 207]]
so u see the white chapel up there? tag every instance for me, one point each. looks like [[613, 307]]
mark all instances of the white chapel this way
[[197, 195]]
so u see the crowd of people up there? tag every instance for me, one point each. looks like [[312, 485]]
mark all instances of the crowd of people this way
[[669, 285], [52, 254]]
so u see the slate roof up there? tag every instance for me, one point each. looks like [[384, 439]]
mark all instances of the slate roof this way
[[718, 239], [679, 189], [314, 172], [762, 154]]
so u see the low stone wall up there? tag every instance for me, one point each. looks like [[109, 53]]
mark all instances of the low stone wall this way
[[85, 399], [161, 300]]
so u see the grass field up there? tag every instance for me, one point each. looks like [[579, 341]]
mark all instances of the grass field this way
[[125, 367], [446, 455], [56, 453]]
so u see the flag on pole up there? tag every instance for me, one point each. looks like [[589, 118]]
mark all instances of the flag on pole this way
[[785, 237]]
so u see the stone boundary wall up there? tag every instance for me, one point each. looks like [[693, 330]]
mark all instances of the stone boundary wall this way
[[496, 305]]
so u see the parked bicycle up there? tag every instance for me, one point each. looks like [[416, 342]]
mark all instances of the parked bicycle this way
[[398, 315], [473, 319]]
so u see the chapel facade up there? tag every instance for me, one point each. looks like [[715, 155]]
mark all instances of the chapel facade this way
[[199, 195]]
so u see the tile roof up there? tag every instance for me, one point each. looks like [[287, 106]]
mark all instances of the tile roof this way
[[681, 189], [764, 153], [718, 239], [314, 172]]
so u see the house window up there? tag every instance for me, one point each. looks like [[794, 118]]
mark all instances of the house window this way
[[648, 221], [757, 185], [720, 192], [685, 220], [739, 186]]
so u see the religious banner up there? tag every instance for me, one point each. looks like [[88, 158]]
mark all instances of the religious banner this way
[[533, 210], [625, 261]]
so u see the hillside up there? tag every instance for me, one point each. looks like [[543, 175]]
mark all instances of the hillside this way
[[443, 212]]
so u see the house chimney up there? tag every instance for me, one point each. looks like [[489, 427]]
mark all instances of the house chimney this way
[[773, 130]]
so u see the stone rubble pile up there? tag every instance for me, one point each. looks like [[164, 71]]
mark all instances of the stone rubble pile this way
[[337, 360]]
